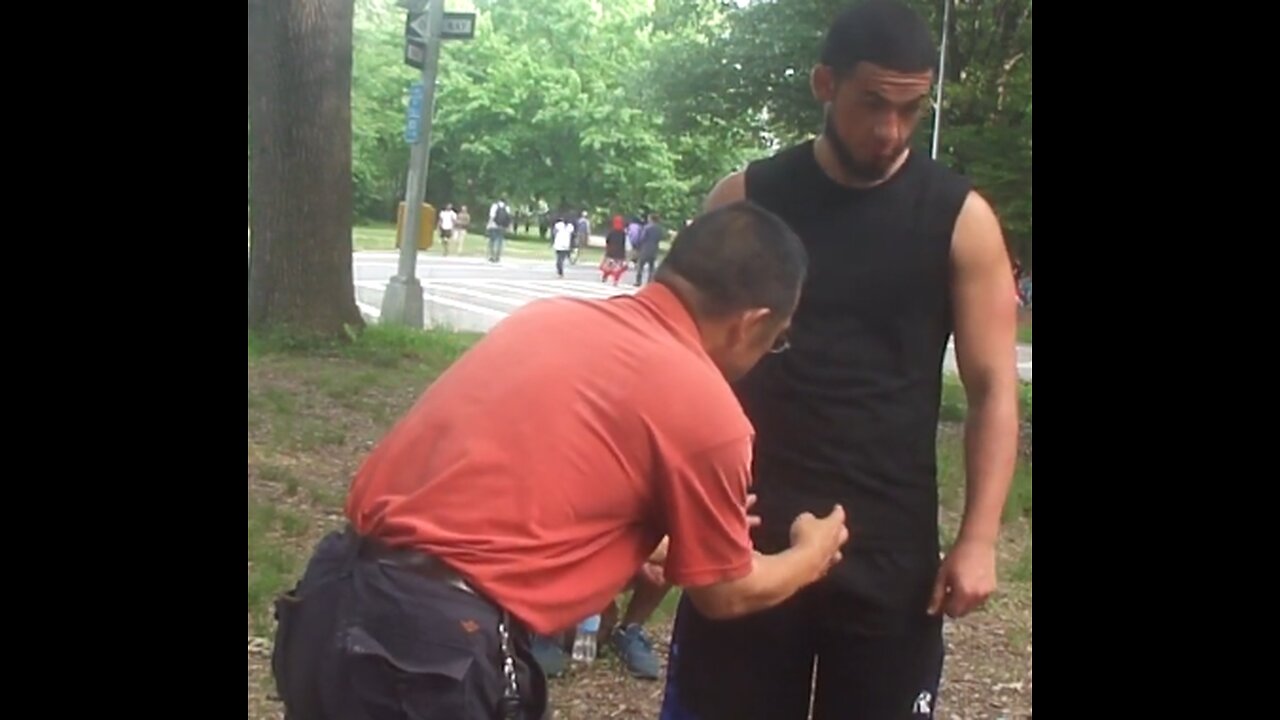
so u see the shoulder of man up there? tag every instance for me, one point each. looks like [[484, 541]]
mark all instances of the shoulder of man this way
[[945, 192], [688, 401]]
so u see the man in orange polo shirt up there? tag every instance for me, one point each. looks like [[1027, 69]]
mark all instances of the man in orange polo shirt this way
[[475, 522]]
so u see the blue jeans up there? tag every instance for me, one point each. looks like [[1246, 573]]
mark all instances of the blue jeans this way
[[497, 236]]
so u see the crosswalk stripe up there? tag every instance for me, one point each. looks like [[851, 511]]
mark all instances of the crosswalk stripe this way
[[469, 307], [444, 290], [497, 298], [578, 287], [513, 287]]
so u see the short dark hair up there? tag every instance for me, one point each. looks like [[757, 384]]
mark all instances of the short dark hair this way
[[887, 33], [738, 257]]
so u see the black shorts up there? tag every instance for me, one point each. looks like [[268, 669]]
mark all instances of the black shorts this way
[[762, 666], [360, 639]]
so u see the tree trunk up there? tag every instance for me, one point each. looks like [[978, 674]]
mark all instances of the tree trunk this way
[[301, 192]]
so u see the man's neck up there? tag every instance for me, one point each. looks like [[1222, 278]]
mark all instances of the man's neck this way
[[826, 157]]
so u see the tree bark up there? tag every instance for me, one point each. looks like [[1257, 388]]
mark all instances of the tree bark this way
[[301, 193]]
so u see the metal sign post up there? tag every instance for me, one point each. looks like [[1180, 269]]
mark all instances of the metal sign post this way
[[402, 301]]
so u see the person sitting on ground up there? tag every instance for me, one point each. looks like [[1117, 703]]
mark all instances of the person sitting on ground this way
[[629, 638]]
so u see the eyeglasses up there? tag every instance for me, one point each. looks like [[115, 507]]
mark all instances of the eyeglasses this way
[[781, 343]]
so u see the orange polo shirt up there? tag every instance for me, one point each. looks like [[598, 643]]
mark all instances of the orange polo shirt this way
[[546, 463]]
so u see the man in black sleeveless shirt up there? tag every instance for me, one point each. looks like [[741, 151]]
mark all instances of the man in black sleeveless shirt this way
[[903, 254]]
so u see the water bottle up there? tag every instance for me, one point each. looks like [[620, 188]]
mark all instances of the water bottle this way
[[584, 640]]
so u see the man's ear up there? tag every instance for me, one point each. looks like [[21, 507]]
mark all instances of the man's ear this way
[[822, 81], [748, 326]]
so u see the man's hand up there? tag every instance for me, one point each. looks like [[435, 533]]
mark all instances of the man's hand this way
[[824, 537], [815, 548], [752, 520], [966, 579]]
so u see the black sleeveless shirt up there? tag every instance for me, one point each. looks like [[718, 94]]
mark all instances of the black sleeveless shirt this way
[[849, 412]]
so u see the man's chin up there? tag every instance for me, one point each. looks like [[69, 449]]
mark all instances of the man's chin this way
[[871, 172]]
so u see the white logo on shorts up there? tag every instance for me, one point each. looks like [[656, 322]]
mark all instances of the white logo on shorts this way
[[921, 705]]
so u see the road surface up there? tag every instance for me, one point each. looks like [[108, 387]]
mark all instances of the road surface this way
[[473, 294]]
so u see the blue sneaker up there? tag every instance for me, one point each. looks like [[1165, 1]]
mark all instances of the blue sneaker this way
[[636, 650], [550, 656]]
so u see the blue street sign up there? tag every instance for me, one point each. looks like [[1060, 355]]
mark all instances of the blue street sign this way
[[413, 119]]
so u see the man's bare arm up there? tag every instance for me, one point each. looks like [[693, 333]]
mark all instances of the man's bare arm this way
[[815, 548], [986, 356], [986, 320]]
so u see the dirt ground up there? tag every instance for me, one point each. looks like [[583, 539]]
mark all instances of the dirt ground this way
[[987, 675]]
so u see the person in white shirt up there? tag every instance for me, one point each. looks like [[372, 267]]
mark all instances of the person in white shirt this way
[[562, 242], [445, 222]]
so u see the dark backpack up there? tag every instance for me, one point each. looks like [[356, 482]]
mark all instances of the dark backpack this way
[[502, 218]]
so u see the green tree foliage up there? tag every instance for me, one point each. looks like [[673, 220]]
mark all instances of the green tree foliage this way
[[609, 105]]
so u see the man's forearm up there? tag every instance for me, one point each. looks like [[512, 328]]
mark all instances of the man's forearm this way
[[773, 579], [991, 450]]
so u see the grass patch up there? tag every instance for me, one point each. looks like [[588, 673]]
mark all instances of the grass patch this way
[[955, 406], [291, 433], [374, 236], [326, 497], [294, 525], [282, 476], [275, 401], [345, 386], [951, 478], [376, 345], [1022, 568], [317, 433], [274, 559], [951, 469], [310, 394], [1019, 503], [315, 407], [272, 408], [1024, 334], [391, 345], [1019, 637]]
